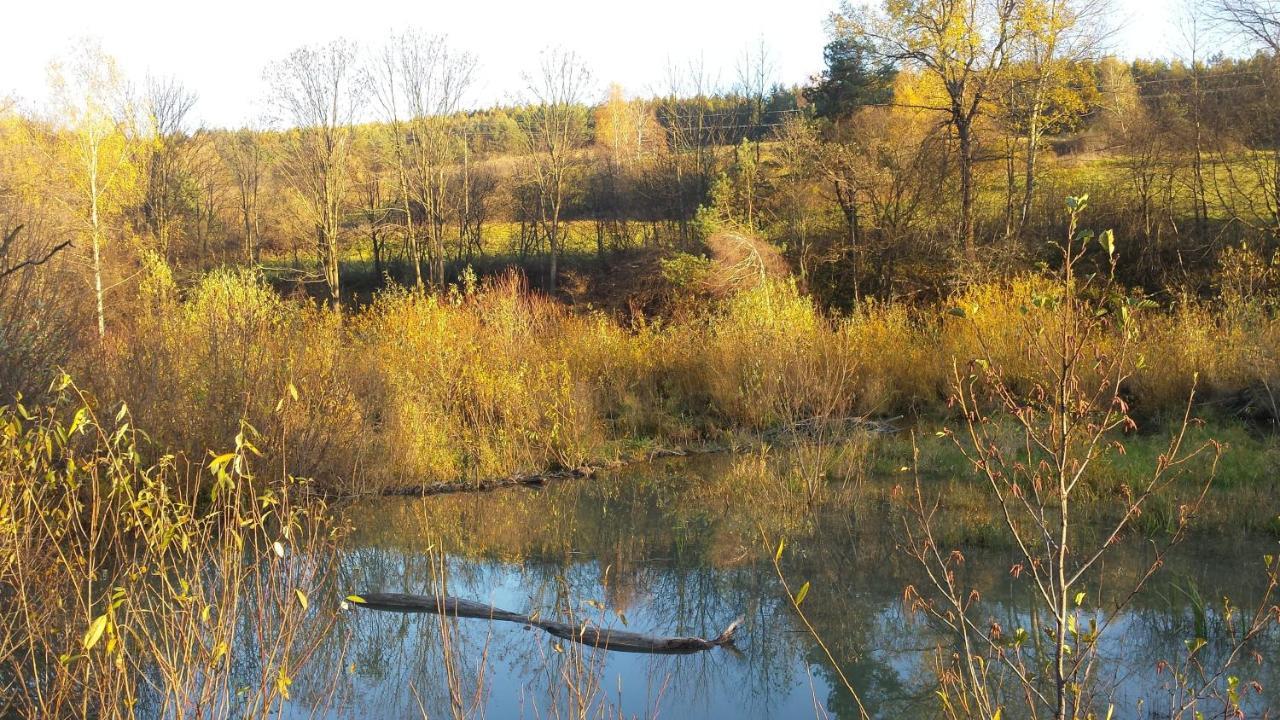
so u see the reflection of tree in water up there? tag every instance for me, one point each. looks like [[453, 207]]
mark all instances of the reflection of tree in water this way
[[663, 554], [1153, 628]]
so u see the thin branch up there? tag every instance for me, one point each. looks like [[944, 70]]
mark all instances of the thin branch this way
[[31, 262]]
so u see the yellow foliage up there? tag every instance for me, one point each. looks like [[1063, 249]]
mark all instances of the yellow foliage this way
[[421, 388]]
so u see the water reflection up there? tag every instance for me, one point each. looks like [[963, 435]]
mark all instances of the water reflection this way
[[668, 549]]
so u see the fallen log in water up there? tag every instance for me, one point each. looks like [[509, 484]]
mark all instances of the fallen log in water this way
[[585, 633]]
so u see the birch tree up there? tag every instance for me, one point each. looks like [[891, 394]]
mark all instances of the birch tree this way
[[93, 141], [1059, 41]]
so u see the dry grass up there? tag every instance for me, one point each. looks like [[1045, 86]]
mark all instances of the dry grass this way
[[420, 388]]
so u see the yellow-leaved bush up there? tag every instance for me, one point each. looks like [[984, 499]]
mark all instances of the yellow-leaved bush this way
[[419, 388]]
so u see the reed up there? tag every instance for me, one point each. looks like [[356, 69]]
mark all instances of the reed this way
[[173, 588]]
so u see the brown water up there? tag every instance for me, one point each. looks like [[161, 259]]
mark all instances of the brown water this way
[[673, 548]]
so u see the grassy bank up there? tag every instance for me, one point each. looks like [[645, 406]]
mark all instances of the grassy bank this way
[[418, 389]]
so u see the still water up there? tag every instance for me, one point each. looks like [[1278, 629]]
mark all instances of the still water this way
[[674, 548]]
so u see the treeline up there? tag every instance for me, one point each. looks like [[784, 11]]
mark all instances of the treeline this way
[[935, 148]]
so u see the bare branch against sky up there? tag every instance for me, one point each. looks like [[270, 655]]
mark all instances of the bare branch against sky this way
[[630, 45]]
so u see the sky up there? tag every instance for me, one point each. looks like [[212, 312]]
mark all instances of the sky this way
[[220, 49]]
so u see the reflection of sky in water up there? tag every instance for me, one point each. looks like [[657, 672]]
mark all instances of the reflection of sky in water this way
[[649, 555]]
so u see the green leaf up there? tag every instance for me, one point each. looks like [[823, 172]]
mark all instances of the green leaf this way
[[355, 599], [302, 598], [94, 633], [957, 311], [778, 555], [802, 594], [1076, 204], [1080, 596], [1108, 241]]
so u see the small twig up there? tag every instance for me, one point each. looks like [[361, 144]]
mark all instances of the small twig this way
[[30, 262]]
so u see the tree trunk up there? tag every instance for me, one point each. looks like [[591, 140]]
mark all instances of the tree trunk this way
[[1275, 190], [553, 267], [848, 200], [600, 242], [464, 213], [410, 235], [967, 229], [1010, 186], [1033, 152], [329, 257], [439, 220], [248, 231], [97, 253]]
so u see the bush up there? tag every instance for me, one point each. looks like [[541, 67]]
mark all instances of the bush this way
[[496, 381]]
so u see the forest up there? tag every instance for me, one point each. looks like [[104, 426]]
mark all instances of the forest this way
[[981, 268]]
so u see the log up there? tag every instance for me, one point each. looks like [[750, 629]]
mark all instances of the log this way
[[585, 633]]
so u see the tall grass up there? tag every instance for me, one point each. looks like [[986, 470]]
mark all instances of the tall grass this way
[[417, 389], [135, 587]]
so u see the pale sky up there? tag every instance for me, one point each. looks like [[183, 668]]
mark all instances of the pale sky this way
[[219, 48]]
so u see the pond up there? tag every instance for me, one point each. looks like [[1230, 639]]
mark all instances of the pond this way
[[675, 548]]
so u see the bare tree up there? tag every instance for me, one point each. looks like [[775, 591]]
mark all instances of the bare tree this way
[[384, 78], [208, 187], [167, 103], [1257, 20], [245, 156], [755, 75], [384, 74], [557, 134], [1192, 26], [477, 189], [316, 94], [685, 113], [419, 82], [1258, 23], [756, 71]]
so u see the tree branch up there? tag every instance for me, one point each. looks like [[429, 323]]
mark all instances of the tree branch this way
[[30, 262]]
